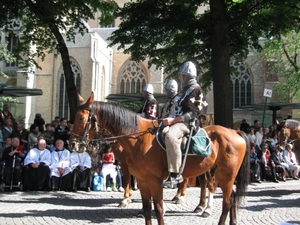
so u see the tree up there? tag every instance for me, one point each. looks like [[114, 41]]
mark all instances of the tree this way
[[173, 31], [283, 51], [7, 57], [47, 24]]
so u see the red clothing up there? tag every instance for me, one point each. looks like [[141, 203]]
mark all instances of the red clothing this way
[[108, 158]]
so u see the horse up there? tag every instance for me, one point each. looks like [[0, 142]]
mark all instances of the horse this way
[[147, 161], [93, 136], [290, 130]]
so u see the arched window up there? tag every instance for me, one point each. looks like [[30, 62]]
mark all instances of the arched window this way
[[64, 110], [133, 78], [241, 84]]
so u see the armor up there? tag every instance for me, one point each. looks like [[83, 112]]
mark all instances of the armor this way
[[188, 69], [171, 88], [148, 88]]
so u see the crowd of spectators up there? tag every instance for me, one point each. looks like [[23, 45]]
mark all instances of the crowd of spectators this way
[[268, 160], [39, 158]]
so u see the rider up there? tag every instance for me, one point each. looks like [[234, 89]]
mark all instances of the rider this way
[[169, 108], [191, 104], [150, 107]]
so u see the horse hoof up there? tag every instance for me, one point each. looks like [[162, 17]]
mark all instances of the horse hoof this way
[[198, 210], [122, 205], [179, 201], [175, 199], [205, 214], [140, 214]]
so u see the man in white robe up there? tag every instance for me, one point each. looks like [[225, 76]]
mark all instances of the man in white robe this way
[[61, 176], [37, 171], [81, 171]]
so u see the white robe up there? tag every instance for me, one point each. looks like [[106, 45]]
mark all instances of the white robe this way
[[80, 159], [60, 159], [35, 155]]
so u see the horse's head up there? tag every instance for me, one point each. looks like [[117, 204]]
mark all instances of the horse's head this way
[[284, 134], [84, 128]]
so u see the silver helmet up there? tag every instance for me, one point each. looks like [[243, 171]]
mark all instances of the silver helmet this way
[[171, 88], [148, 88], [188, 69]]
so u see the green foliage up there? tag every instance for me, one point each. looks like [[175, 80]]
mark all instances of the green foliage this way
[[132, 106], [41, 18], [284, 50], [5, 56], [173, 31]]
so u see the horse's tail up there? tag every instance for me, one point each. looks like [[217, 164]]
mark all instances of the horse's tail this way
[[243, 177]]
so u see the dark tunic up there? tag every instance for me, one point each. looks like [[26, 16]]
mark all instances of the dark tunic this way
[[37, 178], [13, 166]]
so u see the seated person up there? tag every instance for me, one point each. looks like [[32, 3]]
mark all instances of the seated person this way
[[255, 165], [5, 145], [108, 167], [291, 161], [37, 171], [119, 176], [49, 135], [266, 163], [61, 176], [13, 159], [280, 166], [96, 160], [81, 171]]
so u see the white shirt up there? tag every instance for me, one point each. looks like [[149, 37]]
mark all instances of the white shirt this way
[[80, 159], [35, 155], [60, 159]]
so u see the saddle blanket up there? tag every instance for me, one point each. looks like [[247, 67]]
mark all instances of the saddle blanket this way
[[200, 144]]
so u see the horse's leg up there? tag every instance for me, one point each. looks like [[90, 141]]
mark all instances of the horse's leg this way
[[181, 192], [228, 199], [157, 196], [233, 215], [127, 186], [156, 191], [203, 184], [212, 187]]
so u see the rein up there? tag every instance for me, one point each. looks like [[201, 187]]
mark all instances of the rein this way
[[101, 131], [149, 130]]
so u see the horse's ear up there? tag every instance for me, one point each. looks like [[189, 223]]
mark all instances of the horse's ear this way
[[90, 99], [80, 99]]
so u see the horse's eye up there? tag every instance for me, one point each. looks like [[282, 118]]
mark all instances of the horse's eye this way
[[81, 118]]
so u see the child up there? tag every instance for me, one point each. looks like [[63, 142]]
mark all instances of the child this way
[[108, 167]]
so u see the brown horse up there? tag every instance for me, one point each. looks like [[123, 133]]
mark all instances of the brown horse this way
[[290, 130], [148, 163], [94, 135]]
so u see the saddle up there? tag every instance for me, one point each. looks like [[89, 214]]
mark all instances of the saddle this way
[[200, 144]]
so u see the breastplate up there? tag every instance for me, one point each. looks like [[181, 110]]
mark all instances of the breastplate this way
[[175, 109]]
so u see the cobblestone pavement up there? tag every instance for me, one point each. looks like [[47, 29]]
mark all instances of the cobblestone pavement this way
[[266, 203]]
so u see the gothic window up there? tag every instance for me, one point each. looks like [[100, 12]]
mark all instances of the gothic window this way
[[133, 78], [64, 110], [241, 84], [12, 41]]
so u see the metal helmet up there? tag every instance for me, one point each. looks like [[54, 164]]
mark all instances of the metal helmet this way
[[189, 69], [148, 88], [171, 88]]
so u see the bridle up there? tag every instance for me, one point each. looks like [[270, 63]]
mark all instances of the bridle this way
[[100, 137], [87, 129], [286, 137]]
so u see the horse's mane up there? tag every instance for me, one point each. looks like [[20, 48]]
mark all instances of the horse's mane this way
[[120, 119], [292, 124]]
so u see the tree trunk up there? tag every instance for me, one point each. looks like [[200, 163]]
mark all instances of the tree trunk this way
[[222, 87], [64, 52], [69, 77]]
